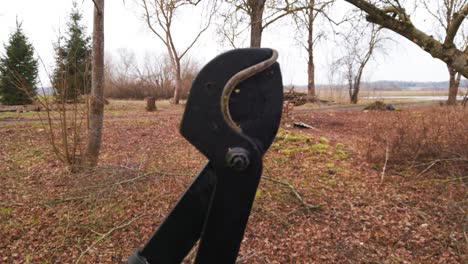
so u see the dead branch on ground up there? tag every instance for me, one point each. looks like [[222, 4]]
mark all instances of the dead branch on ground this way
[[385, 165], [103, 236], [295, 193]]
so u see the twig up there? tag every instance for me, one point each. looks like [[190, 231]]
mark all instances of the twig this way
[[440, 160], [426, 169], [159, 172], [246, 257], [295, 193], [47, 203], [115, 183], [443, 180], [103, 236], [385, 165], [283, 220], [135, 178]]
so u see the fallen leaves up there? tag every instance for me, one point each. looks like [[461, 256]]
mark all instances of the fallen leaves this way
[[50, 215]]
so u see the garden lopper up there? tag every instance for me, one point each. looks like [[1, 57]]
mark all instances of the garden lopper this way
[[232, 115]]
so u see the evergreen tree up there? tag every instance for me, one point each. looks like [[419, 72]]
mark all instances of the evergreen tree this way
[[72, 74], [18, 70]]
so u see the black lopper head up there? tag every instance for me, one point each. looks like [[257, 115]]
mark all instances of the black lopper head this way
[[232, 116], [255, 103]]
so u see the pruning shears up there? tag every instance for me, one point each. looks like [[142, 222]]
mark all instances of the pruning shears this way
[[232, 116]]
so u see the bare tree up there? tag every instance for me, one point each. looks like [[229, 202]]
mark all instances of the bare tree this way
[[157, 73], [465, 97], [231, 27], [96, 99], [64, 120], [159, 16], [391, 14], [260, 14], [306, 19], [444, 12], [123, 79], [153, 77], [357, 55]]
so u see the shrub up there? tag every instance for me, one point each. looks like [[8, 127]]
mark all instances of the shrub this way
[[434, 139], [127, 80]]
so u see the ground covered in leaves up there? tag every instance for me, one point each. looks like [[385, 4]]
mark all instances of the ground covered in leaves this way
[[321, 200]]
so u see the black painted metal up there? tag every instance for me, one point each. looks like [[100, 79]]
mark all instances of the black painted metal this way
[[216, 206], [180, 230]]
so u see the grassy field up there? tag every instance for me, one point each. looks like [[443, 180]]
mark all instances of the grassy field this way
[[333, 194], [341, 96]]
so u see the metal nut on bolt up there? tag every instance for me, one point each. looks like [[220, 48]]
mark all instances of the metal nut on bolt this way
[[237, 158]]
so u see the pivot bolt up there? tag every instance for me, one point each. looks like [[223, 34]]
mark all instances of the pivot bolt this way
[[238, 159]]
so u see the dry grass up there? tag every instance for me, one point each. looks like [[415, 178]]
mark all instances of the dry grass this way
[[433, 140], [48, 215], [137, 104]]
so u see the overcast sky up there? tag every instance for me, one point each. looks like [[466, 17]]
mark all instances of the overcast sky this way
[[125, 29]]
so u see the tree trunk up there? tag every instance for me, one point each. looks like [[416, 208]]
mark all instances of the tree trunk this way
[[178, 83], [175, 67], [357, 82], [354, 96], [151, 104], [454, 83], [354, 92], [310, 50], [311, 78], [256, 23], [96, 104]]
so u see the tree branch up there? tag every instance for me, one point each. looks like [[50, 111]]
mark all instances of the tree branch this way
[[103, 236], [450, 55], [148, 22], [286, 12], [455, 24], [295, 193], [199, 33]]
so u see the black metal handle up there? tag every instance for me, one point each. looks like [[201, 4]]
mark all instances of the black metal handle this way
[[233, 130]]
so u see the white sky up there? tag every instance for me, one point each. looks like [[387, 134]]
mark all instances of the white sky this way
[[125, 29]]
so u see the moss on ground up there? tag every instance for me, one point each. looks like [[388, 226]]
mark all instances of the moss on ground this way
[[291, 142]]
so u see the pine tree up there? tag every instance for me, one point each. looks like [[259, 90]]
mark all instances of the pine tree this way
[[18, 70], [72, 74]]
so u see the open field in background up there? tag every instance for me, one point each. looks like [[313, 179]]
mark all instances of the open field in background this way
[[115, 107], [137, 104], [341, 95], [326, 196], [403, 93], [338, 98]]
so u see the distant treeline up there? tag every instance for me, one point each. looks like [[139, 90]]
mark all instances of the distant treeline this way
[[407, 84], [384, 85], [377, 85]]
